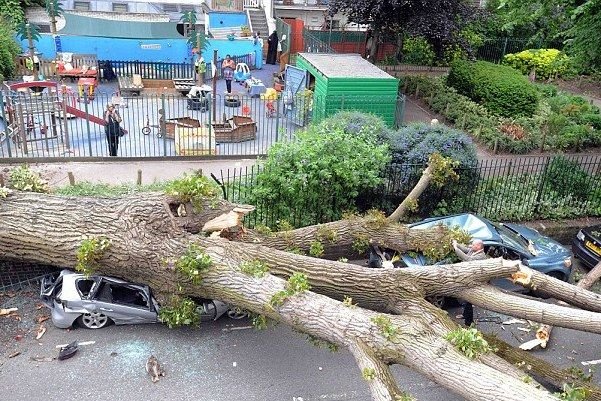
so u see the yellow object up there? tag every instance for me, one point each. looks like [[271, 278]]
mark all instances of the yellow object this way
[[270, 94], [194, 141]]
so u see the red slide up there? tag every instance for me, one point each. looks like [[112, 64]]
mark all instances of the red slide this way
[[83, 114]]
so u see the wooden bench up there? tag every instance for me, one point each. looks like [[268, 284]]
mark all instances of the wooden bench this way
[[82, 66], [183, 85], [128, 87]]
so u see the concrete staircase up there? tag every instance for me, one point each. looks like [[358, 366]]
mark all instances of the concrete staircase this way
[[221, 33], [258, 21]]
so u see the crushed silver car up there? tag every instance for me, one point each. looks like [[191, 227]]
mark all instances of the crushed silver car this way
[[96, 301]]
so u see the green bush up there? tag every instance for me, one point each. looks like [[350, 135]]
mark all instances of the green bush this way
[[570, 122], [546, 63], [318, 176], [501, 89], [9, 50], [418, 51], [470, 116], [566, 177], [410, 149]]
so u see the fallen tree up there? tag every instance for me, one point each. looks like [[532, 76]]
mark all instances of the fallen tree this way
[[381, 316]]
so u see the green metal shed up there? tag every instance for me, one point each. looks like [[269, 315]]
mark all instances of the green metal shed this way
[[349, 82]]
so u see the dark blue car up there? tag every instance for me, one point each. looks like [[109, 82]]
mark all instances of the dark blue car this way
[[507, 240], [587, 245]]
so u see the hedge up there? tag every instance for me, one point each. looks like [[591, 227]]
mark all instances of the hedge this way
[[501, 89], [569, 121], [468, 115], [545, 63]]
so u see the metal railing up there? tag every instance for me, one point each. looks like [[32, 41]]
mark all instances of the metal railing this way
[[513, 189], [244, 126], [227, 5], [493, 49], [314, 44]]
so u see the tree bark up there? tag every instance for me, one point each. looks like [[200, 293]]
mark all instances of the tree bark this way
[[544, 332], [148, 235]]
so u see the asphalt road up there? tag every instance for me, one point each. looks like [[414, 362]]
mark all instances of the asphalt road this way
[[221, 361]]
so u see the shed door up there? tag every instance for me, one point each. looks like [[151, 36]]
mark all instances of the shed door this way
[[296, 104]]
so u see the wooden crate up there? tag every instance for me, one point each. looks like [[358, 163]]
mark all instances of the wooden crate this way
[[235, 129], [194, 141], [185, 122]]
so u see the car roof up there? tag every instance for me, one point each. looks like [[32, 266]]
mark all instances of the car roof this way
[[475, 226]]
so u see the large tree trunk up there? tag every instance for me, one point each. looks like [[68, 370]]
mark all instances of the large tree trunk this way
[[147, 237]]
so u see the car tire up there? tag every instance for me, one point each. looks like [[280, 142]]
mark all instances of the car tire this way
[[231, 102], [438, 300], [93, 320]]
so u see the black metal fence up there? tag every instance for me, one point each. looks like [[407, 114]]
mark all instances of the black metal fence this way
[[511, 189], [109, 69], [71, 125], [332, 41]]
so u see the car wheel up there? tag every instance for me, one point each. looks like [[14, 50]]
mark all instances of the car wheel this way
[[94, 320], [237, 313], [557, 275], [438, 300]]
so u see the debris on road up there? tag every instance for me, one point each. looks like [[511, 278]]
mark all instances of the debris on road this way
[[528, 345], [14, 354], [42, 358], [68, 351], [6, 312], [514, 321], [154, 369], [41, 332], [78, 343], [228, 329], [595, 362]]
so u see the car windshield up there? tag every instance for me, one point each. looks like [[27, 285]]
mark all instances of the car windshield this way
[[511, 238]]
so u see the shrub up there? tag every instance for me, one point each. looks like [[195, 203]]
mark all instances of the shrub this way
[[9, 50], [546, 63], [501, 89], [571, 121], [410, 149], [418, 51], [318, 176], [470, 116], [357, 123], [566, 177]]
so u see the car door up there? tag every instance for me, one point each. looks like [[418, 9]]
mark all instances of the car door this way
[[123, 303]]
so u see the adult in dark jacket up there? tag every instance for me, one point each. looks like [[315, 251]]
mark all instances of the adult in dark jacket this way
[[112, 128], [272, 48], [468, 253]]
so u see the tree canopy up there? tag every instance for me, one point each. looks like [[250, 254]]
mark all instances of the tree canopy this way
[[438, 21]]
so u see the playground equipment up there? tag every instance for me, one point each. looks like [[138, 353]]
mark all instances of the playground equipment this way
[[34, 119], [86, 88], [242, 72]]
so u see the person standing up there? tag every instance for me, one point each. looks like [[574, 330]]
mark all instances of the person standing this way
[[272, 48], [227, 68], [469, 253], [112, 128]]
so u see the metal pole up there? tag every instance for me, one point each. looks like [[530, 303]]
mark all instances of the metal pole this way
[[162, 124], [8, 139], [214, 72], [85, 101], [200, 77]]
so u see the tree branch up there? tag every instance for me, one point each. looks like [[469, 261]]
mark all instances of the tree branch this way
[[381, 382]]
